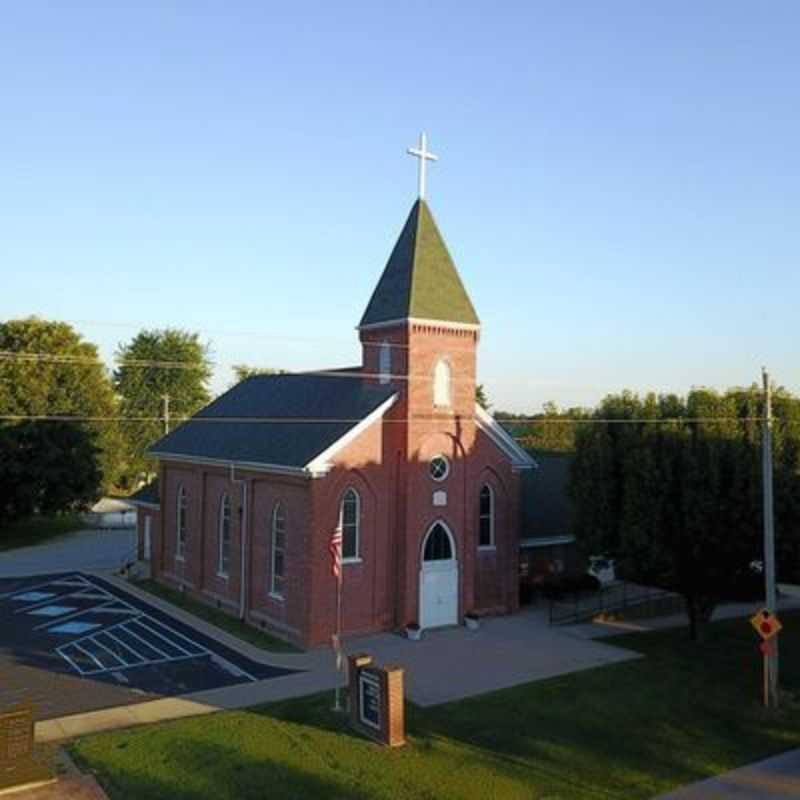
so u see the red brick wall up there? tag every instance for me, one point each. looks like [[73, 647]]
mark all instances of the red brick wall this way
[[286, 615], [388, 464], [199, 571], [367, 584]]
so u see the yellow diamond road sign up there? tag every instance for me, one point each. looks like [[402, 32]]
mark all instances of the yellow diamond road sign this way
[[766, 624]]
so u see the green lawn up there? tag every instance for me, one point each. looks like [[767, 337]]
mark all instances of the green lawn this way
[[218, 618], [37, 530], [629, 730]]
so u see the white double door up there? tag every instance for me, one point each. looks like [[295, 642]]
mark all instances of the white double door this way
[[438, 593]]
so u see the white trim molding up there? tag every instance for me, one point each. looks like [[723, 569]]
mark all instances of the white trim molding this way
[[519, 458], [253, 466], [442, 323], [320, 465]]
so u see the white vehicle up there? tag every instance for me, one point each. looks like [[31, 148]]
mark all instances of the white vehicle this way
[[602, 568]]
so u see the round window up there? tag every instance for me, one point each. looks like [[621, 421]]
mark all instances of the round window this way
[[440, 468]]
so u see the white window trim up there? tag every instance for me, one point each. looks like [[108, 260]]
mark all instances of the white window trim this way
[[453, 551], [492, 518], [446, 472], [221, 573], [357, 558], [385, 362], [449, 387], [273, 592]]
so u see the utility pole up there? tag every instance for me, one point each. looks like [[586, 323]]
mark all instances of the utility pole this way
[[769, 526], [166, 413]]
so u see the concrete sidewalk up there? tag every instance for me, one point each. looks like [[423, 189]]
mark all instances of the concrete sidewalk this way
[[776, 778], [446, 665]]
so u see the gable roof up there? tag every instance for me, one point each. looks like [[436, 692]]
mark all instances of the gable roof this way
[[546, 507], [420, 279], [519, 457], [276, 420]]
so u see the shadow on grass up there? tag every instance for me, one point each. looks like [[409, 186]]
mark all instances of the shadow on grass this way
[[630, 730], [683, 713], [199, 768]]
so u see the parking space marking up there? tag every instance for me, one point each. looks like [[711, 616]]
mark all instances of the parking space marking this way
[[33, 596], [87, 653], [108, 635], [52, 611]]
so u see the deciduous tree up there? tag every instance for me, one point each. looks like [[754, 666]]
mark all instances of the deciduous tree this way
[[154, 364]]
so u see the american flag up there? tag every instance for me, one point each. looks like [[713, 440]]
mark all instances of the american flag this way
[[335, 549]]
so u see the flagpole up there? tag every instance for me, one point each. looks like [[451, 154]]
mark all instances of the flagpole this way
[[338, 702], [335, 548]]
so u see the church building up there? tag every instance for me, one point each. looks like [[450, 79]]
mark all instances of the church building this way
[[423, 484]]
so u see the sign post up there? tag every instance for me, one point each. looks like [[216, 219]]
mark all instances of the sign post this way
[[768, 626]]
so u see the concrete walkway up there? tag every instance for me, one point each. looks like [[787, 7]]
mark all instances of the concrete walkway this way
[[446, 665], [506, 651], [453, 663], [776, 778]]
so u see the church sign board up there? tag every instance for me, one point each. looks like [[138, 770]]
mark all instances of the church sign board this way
[[377, 703]]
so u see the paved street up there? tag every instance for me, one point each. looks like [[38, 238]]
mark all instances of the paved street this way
[[92, 550]]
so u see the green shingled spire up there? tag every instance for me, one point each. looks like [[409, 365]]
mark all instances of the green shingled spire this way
[[420, 279]]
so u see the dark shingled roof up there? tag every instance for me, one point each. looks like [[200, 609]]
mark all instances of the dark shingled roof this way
[[420, 279], [303, 415], [147, 494], [546, 509]]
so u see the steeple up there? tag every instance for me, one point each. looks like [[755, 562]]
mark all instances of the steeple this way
[[420, 280]]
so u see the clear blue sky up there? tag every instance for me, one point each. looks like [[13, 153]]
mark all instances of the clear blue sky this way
[[619, 182]]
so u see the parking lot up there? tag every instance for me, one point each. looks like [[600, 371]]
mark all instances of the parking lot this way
[[78, 626]]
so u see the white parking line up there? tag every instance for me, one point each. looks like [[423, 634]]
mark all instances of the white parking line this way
[[142, 659], [125, 650], [140, 622], [143, 641], [87, 653]]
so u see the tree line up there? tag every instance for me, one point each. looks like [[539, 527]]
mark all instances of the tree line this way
[[672, 488], [105, 420]]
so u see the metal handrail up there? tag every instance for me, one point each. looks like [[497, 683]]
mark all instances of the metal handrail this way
[[607, 599]]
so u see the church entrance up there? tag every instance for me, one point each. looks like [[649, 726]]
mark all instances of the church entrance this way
[[438, 580]]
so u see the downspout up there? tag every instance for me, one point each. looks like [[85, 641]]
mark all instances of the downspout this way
[[243, 537]]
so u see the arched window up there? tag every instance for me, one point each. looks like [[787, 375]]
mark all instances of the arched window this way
[[441, 384], [350, 523], [486, 533], [278, 550], [224, 534], [385, 362], [180, 547], [438, 546]]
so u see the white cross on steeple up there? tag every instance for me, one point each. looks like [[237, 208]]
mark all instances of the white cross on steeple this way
[[421, 152]]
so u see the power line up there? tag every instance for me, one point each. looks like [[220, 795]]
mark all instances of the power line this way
[[221, 332], [77, 361], [339, 421]]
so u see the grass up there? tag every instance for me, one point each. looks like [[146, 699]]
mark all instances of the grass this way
[[630, 730], [218, 618], [38, 529]]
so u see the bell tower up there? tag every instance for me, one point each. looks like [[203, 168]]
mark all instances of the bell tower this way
[[420, 334]]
